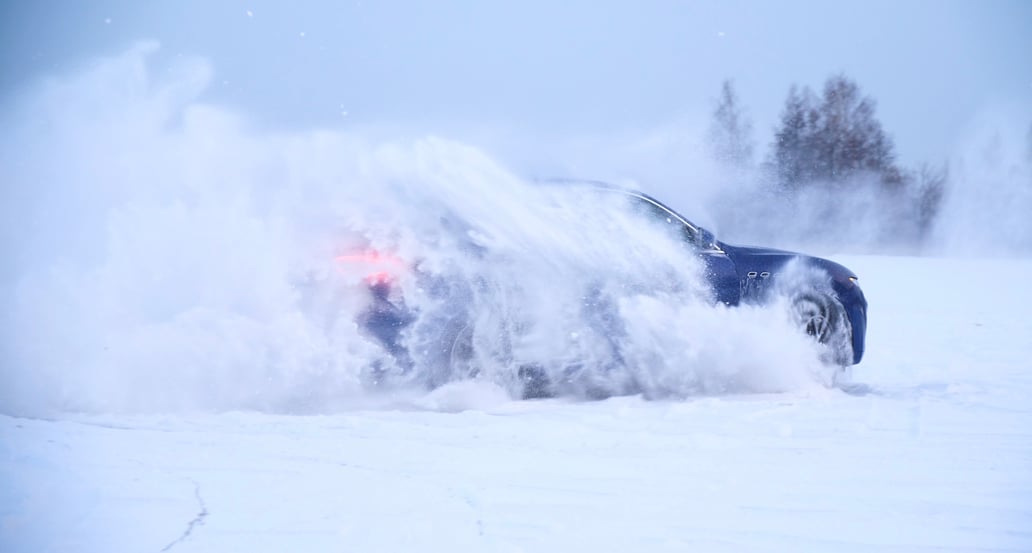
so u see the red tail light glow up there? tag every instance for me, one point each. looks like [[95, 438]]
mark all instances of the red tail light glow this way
[[379, 268]]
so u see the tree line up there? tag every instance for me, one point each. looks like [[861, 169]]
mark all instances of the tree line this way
[[830, 155]]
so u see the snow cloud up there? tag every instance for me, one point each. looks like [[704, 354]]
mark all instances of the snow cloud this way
[[166, 256]]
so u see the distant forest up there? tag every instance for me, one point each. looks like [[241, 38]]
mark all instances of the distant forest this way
[[830, 169]]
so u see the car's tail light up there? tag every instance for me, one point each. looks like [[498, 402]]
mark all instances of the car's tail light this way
[[376, 267]]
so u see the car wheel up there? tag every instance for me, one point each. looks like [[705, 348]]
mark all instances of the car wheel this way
[[460, 360], [823, 317]]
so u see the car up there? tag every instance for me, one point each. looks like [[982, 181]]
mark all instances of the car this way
[[829, 306]]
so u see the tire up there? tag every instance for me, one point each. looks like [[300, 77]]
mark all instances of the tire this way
[[823, 318], [461, 362]]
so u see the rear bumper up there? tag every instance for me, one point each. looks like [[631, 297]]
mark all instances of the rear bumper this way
[[385, 321]]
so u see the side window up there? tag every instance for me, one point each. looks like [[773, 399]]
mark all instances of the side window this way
[[658, 215]]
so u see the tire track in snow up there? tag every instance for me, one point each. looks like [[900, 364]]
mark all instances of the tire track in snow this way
[[197, 520]]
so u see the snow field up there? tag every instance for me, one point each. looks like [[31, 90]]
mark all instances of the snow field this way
[[931, 449]]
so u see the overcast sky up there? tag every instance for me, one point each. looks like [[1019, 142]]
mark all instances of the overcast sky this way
[[538, 68]]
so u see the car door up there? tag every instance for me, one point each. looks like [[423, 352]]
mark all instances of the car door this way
[[721, 273]]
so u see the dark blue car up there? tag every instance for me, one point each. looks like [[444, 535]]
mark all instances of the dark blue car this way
[[833, 311], [831, 308]]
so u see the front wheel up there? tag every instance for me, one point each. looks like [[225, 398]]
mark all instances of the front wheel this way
[[824, 318]]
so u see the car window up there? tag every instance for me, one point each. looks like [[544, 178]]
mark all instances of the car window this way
[[659, 215]]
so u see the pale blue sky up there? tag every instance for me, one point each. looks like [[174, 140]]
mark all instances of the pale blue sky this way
[[553, 69]]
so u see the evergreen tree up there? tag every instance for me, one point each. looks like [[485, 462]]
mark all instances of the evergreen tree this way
[[833, 139], [793, 153], [731, 131], [831, 154], [849, 137], [930, 185]]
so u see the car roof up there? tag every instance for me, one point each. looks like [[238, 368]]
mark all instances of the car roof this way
[[602, 185]]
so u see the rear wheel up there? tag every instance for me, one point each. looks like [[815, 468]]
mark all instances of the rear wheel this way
[[460, 360]]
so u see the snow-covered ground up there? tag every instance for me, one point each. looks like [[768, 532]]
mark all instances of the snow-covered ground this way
[[930, 449]]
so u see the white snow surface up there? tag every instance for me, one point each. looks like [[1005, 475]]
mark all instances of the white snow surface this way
[[930, 449]]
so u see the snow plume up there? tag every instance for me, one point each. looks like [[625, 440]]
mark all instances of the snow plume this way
[[981, 207], [743, 204], [858, 215], [990, 198], [165, 257]]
